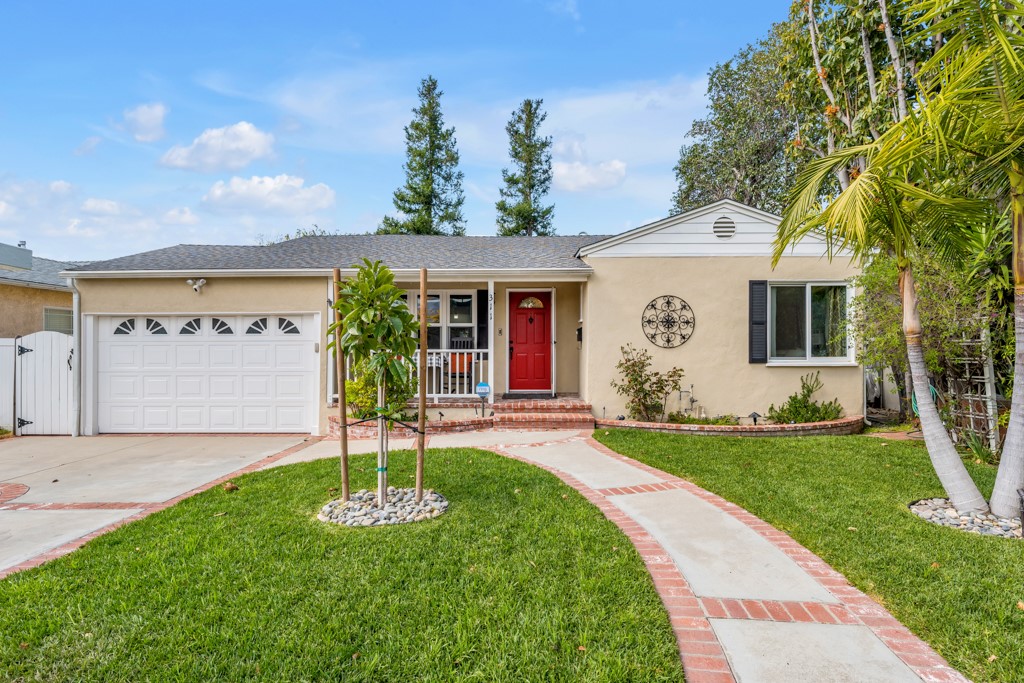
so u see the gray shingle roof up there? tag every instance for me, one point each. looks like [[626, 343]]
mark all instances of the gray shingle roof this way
[[344, 251], [44, 272]]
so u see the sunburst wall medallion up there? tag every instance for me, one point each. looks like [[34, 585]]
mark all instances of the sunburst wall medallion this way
[[668, 321]]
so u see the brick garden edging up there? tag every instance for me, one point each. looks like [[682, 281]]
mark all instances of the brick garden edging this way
[[843, 427], [703, 658], [368, 430], [145, 509]]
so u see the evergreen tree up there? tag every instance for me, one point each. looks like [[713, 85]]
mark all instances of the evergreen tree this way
[[430, 202], [520, 211]]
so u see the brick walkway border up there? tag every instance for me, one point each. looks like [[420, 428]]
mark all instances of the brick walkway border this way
[[703, 658], [145, 509]]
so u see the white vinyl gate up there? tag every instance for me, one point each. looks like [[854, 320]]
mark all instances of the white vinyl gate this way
[[43, 383]]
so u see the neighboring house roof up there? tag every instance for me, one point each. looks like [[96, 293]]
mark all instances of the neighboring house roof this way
[[398, 252], [45, 274]]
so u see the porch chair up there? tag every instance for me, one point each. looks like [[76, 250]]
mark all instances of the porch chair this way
[[460, 368]]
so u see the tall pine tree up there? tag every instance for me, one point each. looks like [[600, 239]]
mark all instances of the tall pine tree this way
[[430, 202], [520, 211]]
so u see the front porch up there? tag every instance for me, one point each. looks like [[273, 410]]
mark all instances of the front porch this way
[[518, 337]]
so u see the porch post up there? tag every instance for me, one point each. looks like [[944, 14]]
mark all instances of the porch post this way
[[492, 355]]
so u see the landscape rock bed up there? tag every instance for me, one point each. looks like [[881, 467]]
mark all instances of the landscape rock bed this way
[[400, 508], [940, 511]]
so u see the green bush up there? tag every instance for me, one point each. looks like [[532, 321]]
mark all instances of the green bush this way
[[802, 408], [361, 395], [679, 418], [646, 390]]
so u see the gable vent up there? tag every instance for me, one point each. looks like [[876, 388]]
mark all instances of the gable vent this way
[[724, 228]]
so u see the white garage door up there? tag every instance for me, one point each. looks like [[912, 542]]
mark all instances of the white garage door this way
[[207, 373]]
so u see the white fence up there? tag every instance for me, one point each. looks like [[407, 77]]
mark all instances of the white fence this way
[[7, 384], [36, 383]]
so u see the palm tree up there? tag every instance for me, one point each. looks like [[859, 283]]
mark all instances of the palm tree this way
[[880, 211], [971, 115]]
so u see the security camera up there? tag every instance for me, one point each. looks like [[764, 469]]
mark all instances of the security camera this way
[[196, 285]]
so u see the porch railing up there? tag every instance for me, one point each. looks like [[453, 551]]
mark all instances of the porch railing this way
[[453, 373]]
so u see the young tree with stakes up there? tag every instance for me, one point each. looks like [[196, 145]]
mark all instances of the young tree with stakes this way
[[520, 209], [430, 202], [379, 332]]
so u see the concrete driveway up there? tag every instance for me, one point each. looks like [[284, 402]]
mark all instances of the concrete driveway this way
[[77, 486]]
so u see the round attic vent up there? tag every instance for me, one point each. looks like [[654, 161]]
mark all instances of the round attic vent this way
[[724, 228]]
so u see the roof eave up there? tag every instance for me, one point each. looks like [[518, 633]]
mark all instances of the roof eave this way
[[436, 274], [35, 285]]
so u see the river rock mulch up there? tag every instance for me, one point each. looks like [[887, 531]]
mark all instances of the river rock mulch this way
[[940, 511], [399, 508]]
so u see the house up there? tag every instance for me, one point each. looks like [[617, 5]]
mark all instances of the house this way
[[232, 338], [35, 299]]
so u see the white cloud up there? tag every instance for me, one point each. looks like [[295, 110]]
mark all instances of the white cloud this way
[[73, 228], [146, 121], [180, 216], [6, 210], [61, 187], [88, 146], [568, 8], [280, 194], [576, 176], [228, 148], [101, 207]]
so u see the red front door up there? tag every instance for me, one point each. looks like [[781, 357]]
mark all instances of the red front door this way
[[529, 341]]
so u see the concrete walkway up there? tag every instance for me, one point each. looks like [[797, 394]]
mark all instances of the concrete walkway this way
[[747, 603]]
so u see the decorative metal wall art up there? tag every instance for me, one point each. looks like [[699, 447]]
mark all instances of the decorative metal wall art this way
[[668, 321]]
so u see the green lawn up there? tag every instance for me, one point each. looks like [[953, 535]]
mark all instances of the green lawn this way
[[521, 580], [959, 592]]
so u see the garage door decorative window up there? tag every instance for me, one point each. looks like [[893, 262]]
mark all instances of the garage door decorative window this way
[[126, 327], [668, 321], [258, 326], [221, 327], [287, 326], [155, 327], [193, 326]]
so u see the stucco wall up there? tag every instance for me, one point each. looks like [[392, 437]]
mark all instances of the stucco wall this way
[[715, 358], [21, 308], [220, 295]]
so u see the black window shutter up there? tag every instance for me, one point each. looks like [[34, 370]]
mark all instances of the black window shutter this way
[[758, 321]]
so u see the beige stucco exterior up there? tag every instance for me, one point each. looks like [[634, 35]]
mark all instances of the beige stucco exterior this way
[[21, 308], [715, 358]]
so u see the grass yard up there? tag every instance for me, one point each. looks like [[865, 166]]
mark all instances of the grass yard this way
[[959, 592], [521, 580]]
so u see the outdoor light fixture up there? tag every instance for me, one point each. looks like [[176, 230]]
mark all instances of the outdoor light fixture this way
[[196, 285], [753, 416]]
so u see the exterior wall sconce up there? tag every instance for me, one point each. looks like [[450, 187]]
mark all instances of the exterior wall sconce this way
[[196, 285]]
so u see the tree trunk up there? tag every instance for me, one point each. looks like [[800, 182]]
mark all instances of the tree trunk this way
[[963, 492], [382, 446], [1010, 477]]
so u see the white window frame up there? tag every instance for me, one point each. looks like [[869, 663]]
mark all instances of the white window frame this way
[[412, 295], [70, 313], [848, 360]]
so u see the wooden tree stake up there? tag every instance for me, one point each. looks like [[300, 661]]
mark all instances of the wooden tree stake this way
[[341, 363], [421, 423]]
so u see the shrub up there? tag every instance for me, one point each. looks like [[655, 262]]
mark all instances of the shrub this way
[[802, 408], [679, 418], [361, 394], [646, 390]]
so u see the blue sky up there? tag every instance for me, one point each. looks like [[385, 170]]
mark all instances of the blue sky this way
[[131, 126]]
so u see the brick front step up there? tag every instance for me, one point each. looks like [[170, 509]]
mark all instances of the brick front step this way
[[557, 405], [543, 420]]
